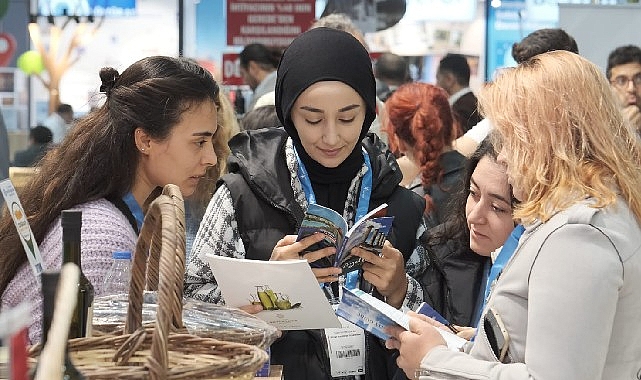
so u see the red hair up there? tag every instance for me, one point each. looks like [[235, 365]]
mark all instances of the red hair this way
[[420, 115]]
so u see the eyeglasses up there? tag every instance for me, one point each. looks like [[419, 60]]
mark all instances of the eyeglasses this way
[[622, 81]]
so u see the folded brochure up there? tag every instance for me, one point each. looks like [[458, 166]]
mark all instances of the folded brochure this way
[[369, 232], [288, 291], [374, 315]]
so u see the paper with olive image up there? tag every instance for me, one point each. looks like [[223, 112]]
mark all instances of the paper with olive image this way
[[270, 300], [288, 291]]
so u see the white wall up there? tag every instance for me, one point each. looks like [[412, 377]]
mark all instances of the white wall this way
[[118, 43], [599, 29], [436, 38]]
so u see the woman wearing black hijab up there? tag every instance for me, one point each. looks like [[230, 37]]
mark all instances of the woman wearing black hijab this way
[[325, 100]]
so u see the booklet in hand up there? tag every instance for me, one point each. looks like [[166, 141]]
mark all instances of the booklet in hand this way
[[369, 233], [376, 316]]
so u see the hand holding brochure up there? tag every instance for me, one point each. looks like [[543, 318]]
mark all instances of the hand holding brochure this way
[[369, 233], [374, 315], [426, 309]]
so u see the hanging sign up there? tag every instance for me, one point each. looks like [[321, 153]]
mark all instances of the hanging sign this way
[[271, 23]]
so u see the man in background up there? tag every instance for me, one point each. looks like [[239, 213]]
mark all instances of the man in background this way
[[340, 21], [541, 41], [59, 122], [624, 73], [258, 65], [39, 142], [453, 75], [390, 71], [537, 42]]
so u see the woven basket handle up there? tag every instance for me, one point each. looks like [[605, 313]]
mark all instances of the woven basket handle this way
[[163, 237]]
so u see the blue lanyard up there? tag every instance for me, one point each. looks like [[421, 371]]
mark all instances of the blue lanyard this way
[[363, 200], [503, 257], [507, 251], [135, 209]]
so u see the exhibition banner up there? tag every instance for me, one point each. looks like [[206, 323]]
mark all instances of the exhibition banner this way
[[86, 7], [271, 23]]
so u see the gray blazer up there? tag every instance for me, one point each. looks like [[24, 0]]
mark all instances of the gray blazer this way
[[267, 85], [570, 300]]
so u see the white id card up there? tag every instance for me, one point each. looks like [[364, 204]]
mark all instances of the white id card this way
[[22, 225], [346, 347]]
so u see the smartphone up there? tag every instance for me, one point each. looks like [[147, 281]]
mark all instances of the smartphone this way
[[496, 333]]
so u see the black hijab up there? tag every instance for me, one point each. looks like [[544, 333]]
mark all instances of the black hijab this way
[[324, 54]]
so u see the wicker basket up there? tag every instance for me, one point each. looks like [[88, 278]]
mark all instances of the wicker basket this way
[[162, 350]]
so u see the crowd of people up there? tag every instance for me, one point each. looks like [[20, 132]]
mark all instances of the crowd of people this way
[[517, 209]]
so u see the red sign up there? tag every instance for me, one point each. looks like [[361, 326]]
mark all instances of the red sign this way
[[271, 23], [231, 70]]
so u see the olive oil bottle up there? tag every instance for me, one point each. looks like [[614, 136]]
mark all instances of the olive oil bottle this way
[[83, 314], [49, 281]]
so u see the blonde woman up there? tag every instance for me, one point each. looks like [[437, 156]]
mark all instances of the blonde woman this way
[[567, 305], [196, 204]]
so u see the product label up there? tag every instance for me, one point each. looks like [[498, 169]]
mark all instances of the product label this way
[[22, 225], [89, 327]]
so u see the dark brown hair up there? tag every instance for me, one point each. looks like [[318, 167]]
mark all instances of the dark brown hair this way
[[541, 41]]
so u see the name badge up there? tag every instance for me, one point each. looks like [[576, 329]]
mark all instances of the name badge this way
[[346, 348]]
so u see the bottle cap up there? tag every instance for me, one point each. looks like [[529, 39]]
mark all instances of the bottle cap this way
[[71, 218], [122, 255]]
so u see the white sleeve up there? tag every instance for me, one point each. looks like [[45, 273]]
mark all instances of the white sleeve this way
[[480, 131]]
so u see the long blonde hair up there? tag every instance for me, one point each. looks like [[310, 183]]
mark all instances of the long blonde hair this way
[[563, 135], [227, 127]]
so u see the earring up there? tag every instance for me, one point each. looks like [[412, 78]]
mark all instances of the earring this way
[[142, 149]]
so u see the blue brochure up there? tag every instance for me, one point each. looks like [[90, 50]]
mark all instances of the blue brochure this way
[[369, 233]]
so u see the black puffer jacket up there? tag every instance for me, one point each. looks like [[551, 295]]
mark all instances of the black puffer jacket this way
[[265, 209], [454, 275]]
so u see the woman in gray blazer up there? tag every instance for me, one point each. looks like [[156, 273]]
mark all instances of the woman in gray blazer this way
[[568, 304]]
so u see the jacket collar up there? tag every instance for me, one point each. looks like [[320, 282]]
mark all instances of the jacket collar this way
[[259, 156]]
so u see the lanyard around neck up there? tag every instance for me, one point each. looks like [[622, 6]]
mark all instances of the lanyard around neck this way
[[135, 209], [366, 185]]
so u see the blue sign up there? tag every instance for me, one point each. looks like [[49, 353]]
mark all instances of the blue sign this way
[[86, 7], [508, 21]]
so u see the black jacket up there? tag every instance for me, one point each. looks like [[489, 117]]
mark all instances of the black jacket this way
[[466, 112], [265, 209], [454, 275], [30, 156], [450, 183]]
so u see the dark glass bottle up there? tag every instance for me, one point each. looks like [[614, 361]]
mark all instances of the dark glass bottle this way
[[49, 285], [81, 320]]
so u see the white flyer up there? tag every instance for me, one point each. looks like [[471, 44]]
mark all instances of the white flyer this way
[[291, 296], [22, 225]]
